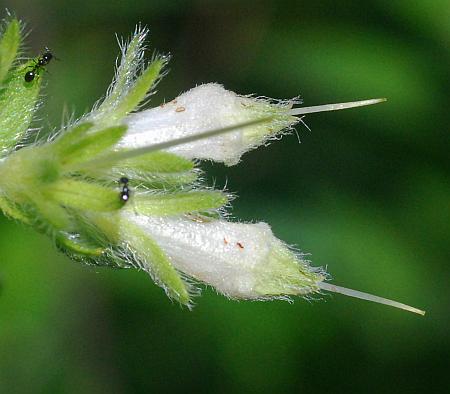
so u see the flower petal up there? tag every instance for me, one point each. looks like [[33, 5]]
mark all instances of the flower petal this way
[[239, 260], [203, 108]]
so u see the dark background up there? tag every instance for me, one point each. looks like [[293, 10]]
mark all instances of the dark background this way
[[367, 192]]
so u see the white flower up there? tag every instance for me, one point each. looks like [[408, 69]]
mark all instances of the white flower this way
[[240, 260], [209, 107]]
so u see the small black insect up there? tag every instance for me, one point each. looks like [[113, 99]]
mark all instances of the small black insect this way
[[124, 196], [41, 62], [45, 58], [29, 75], [125, 193]]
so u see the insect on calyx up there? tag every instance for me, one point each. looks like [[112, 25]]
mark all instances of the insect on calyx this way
[[41, 62], [125, 193]]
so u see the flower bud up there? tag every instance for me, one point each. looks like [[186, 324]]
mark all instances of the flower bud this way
[[208, 107]]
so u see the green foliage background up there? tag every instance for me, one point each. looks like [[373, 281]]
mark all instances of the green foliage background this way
[[367, 192]]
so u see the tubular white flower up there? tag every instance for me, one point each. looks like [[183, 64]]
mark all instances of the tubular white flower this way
[[239, 260], [211, 107], [208, 107]]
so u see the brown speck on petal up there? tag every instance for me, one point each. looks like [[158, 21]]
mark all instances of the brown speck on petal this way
[[180, 109], [225, 241], [240, 245]]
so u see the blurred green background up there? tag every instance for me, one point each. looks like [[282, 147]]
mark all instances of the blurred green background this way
[[367, 193]]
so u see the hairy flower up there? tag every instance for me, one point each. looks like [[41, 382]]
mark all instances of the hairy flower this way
[[120, 187], [207, 107]]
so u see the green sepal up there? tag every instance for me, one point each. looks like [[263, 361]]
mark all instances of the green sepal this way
[[89, 145], [18, 102], [124, 76], [164, 182], [204, 216], [68, 138], [12, 210], [9, 46], [78, 245], [159, 264], [84, 196], [161, 182], [105, 229], [285, 274], [156, 170], [157, 162], [128, 89], [49, 215], [139, 90], [177, 203]]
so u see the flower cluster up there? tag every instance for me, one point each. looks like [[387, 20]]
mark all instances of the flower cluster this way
[[120, 186]]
